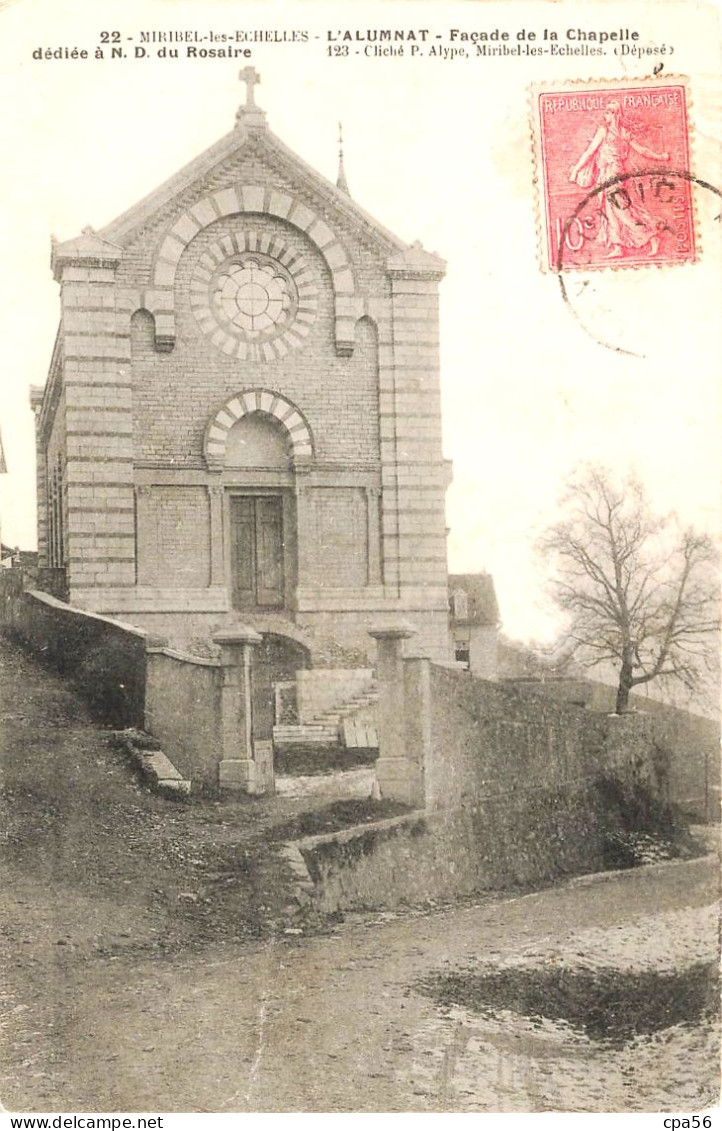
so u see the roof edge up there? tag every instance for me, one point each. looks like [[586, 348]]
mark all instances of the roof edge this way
[[121, 229]]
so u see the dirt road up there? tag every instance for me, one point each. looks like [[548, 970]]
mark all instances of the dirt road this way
[[125, 991]]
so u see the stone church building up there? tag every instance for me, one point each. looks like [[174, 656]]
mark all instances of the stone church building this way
[[241, 423]]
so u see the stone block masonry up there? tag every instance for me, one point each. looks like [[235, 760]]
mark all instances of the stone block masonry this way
[[338, 394], [150, 424]]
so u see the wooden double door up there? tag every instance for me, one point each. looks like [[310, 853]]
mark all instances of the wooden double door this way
[[258, 552]]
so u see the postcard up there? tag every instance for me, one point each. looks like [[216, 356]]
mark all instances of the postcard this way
[[359, 511]]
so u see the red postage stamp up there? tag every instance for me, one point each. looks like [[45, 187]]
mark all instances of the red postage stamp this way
[[613, 167]]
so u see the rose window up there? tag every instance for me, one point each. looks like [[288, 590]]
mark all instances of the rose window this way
[[255, 295], [259, 301]]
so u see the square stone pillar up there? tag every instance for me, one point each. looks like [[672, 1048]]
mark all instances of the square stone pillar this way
[[399, 770], [423, 770], [96, 509], [414, 476], [239, 768]]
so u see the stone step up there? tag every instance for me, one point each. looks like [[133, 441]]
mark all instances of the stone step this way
[[304, 733], [352, 705], [335, 715], [293, 728], [154, 766], [325, 728]]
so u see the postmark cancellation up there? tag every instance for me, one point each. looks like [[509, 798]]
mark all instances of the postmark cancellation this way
[[613, 174]]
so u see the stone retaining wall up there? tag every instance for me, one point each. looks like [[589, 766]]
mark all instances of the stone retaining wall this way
[[690, 743], [104, 658], [509, 786], [426, 856], [183, 711], [177, 698]]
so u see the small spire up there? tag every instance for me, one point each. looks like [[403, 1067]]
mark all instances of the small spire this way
[[341, 181]]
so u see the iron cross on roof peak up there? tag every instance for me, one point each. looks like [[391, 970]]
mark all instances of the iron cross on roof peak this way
[[250, 76]]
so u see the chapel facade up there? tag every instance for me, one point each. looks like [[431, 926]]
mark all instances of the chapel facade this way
[[241, 422]]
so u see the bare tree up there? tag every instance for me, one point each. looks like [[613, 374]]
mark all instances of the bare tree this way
[[640, 592]]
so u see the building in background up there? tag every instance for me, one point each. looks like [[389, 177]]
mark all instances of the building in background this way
[[475, 618]]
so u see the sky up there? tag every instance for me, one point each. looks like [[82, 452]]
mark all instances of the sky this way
[[437, 150]]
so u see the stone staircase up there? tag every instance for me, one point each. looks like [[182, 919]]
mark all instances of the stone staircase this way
[[325, 729]]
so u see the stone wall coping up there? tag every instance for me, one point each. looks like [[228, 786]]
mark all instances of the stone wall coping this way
[[343, 836], [511, 695], [54, 603], [184, 657], [400, 631]]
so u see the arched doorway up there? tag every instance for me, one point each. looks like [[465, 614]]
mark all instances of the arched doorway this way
[[261, 518], [257, 440]]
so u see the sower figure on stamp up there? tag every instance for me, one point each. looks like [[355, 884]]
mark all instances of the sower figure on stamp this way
[[625, 225]]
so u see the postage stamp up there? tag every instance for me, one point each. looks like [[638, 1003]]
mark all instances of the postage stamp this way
[[613, 172]]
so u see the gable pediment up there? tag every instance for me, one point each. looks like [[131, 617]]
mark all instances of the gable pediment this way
[[281, 167], [251, 171]]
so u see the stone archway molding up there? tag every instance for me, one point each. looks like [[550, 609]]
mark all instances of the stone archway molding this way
[[262, 401], [258, 199]]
